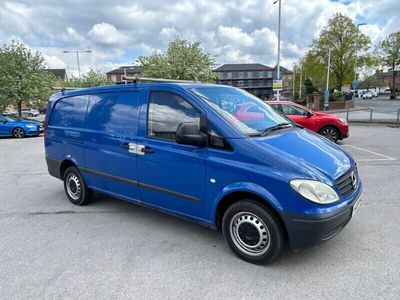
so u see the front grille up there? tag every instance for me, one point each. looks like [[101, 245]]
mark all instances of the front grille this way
[[347, 183]]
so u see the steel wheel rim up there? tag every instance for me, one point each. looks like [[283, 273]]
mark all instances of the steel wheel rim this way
[[18, 133], [73, 185], [330, 134], [249, 233]]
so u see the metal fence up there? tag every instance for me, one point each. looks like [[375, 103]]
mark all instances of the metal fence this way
[[371, 115]]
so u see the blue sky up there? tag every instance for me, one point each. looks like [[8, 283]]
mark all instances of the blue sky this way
[[239, 31]]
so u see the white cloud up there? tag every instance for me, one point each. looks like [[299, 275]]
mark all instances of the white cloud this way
[[235, 35], [72, 37], [107, 35], [232, 30], [54, 62]]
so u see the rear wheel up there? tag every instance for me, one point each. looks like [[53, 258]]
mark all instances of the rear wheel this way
[[330, 132], [30, 115], [18, 132], [75, 188], [253, 232]]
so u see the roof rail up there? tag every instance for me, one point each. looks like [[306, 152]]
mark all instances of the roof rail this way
[[62, 89], [137, 79]]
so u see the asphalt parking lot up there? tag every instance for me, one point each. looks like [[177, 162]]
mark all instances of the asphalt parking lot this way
[[113, 249]]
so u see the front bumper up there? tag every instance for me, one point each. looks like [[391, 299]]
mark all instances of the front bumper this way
[[308, 230]]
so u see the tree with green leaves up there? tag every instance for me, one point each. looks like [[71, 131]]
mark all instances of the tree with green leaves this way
[[183, 60], [91, 78], [389, 55], [310, 88], [23, 76], [315, 69], [342, 37]]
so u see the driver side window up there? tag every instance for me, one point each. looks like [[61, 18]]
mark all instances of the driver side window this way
[[293, 110], [165, 112]]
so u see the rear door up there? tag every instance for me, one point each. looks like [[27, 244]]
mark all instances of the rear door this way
[[112, 122], [171, 175]]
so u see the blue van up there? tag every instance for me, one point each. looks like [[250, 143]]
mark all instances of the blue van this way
[[213, 154]]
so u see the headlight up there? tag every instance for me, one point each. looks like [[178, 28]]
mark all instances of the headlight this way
[[314, 191], [343, 120]]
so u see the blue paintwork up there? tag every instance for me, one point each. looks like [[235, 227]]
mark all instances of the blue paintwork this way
[[30, 127], [262, 166]]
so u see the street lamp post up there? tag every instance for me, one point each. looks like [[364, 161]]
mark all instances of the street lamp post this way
[[77, 57], [278, 73], [301, 79], [354, 84], [294, 78], [326, 93], [356, 58]]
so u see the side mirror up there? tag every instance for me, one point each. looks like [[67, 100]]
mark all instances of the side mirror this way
[[309, 114], [189, 134]]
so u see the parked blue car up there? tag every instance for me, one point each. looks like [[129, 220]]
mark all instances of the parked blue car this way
[[11, 125], [182, 149]]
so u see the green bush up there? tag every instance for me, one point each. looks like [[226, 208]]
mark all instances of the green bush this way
[[336, 96]]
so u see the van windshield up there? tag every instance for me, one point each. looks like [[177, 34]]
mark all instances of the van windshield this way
[[244, 111]]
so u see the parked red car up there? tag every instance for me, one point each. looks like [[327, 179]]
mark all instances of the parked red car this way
[[328, 125]]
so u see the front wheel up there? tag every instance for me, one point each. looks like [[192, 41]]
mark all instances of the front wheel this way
[[253, 232], [330, 132], [75, 188], [18, 133]]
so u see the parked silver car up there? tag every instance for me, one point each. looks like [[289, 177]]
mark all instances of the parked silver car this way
[[29, 112]]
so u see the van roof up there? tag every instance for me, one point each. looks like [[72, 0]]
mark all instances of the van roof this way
[[131, 86]]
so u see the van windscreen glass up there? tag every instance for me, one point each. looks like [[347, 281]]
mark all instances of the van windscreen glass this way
[[245, 112]]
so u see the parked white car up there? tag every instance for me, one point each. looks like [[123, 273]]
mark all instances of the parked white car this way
[[374, 94], [367, 95], [29, 112]]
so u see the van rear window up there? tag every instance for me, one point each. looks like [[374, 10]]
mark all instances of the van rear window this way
[[69, 112]]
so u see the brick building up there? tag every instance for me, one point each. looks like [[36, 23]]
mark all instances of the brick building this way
[[388, 79], [255, 78], [117, 74]]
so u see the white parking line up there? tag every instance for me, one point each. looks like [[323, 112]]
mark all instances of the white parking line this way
[[385, 157]]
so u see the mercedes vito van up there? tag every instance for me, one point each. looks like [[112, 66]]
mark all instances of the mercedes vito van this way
[[189, 149]]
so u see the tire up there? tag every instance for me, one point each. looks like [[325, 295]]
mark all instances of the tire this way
[[18, 133], [75, 188], [253, 232], [330, 132], [30, 115]]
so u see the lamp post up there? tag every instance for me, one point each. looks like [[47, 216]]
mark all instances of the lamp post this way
[[326, 93], [355, 64], [294, 79], [301, 79], [354, 84], [77, 57], [278, 73]]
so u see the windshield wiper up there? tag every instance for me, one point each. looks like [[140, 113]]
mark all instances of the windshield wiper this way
[[276, 127]]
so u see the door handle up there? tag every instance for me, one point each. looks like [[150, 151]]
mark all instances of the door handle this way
[[146, 149], [131, 147], [125, 145]]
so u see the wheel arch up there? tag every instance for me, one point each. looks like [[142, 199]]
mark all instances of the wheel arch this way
[[239, 194], [64, 165], [331, 125]]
